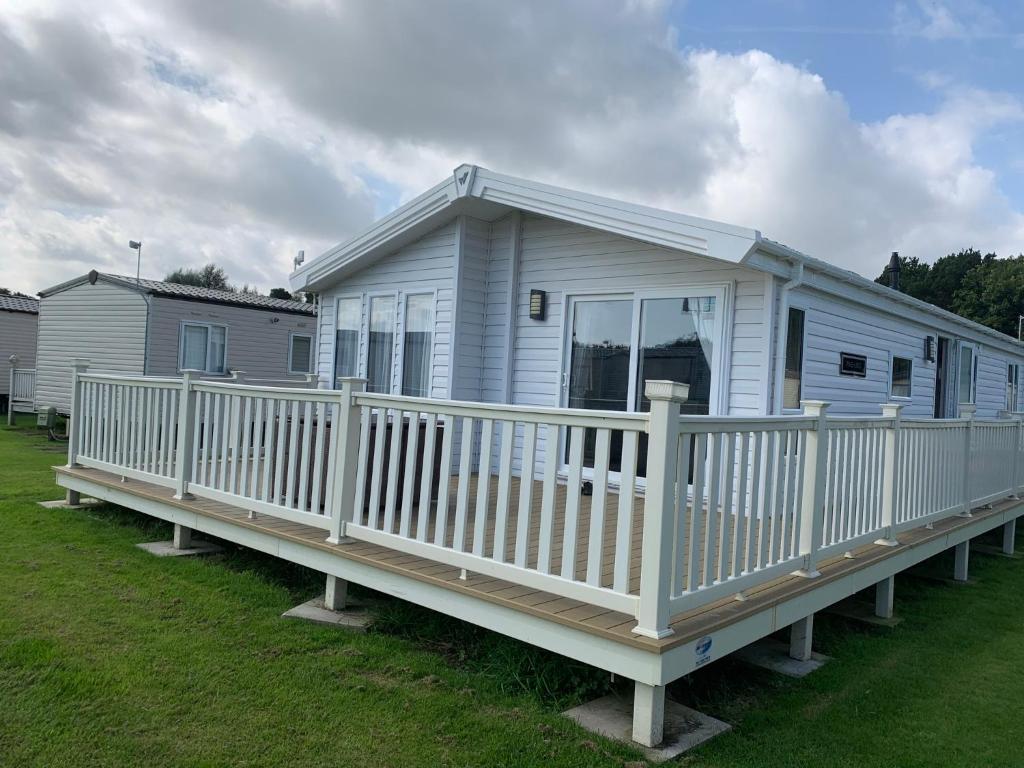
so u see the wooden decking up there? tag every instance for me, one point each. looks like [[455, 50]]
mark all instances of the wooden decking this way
[[593, 620]]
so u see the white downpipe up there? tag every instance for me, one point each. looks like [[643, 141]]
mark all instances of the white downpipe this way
[[783, 331]]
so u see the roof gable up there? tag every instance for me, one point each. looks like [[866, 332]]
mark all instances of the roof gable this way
[[477, 191]]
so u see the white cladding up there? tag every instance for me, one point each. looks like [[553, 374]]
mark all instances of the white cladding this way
[[17, 337], [103, 323]]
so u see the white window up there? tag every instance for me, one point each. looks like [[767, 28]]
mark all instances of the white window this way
[[1013, 387], [202, 347], [792, 382], [380, 348], [300, 353], [346, 337], [967, 373], [417, 345], [901, 377]]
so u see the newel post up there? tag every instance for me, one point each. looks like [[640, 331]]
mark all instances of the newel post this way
[[659, 507], [967, 412], [13, 360], [812, 500], [186, 433], [344, 458], [1018, 445], [890, 476], [79, 366]]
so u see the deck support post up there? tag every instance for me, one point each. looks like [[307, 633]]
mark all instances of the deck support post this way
[[890, 478], [801, 634], [186, 432], [336, 594], [79, 366], [1009, 536], [967, 412], [13, 360], [73, 498], [962, 552], [648, 714], [812, 501], [659, 510], [884, 593], [344, 450], [182, 537]]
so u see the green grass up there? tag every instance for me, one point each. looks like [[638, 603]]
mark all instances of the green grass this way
[[109, 656]]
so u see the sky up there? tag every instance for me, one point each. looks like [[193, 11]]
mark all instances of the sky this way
[[240, 131]]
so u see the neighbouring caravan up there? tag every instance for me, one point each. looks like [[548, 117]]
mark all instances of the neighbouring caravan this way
[[18, 320], [155, 328]]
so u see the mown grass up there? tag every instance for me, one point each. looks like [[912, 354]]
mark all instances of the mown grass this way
[[109, 656]]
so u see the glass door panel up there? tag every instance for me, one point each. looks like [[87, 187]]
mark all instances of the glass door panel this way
[[599, 355], [677, 344]]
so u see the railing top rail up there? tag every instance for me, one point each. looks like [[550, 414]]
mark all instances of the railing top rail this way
[[858, 423], [270, 393], [24, 370], [143, 381], [636, 422], [688, 424]]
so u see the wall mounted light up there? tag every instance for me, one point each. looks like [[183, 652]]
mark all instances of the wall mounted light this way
[[929, 348], [538, 303]]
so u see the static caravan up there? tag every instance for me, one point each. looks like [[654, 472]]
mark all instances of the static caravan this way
[[154, 328], [18, 320], [500, 290]]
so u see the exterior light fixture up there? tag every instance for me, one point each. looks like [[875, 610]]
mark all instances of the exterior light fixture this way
[[538, 304], [929, 348]]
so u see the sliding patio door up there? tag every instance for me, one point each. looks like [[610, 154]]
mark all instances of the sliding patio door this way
[[618, 342]]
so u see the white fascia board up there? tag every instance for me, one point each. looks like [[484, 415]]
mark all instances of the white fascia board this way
[[701, 237], [771, 257]]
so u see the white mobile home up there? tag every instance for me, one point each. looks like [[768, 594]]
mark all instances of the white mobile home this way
[[154, 328], [636, 438], [18, 320], [531, 295]]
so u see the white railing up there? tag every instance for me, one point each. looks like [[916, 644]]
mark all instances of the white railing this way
[[21, 390], [649, 514]]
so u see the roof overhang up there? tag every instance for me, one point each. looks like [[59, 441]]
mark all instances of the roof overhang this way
[[487, 195]]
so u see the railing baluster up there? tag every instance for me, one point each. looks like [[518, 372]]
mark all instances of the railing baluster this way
[[546, 534], [395, 451], [595, 549], [427, 477], [306, 427], [624, 519], [483, 487], [412, 445], [462, 498], [444, 481], [570, 528], [525, 494], [508, 430]]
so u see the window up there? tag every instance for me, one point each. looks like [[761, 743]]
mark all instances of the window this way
[[967, 374], [791, 384], [419, 323], [380, 350], [346, 338], [202, 347], [901, 376], [300, 353], [1013, 387]]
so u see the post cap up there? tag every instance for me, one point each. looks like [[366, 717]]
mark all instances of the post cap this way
[[80, 362], [666, 390], [13, 360], [967, 410], [889, 410], [814, 407], [353, 381]]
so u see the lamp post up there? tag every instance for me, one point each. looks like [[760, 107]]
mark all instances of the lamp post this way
[[136, 245]]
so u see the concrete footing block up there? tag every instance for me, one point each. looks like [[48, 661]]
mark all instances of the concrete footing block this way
[[354, 617], [63, 504], [612, 716], [773, 655], [167, 548]]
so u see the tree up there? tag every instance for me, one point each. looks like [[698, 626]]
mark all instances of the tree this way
[[281, 293], [210, 276], [9, 292], [993, 294], [915, 278]]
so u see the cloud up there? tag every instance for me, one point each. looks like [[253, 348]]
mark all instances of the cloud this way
[[241, 131]]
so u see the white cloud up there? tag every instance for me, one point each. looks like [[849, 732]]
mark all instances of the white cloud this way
[[241, 132]]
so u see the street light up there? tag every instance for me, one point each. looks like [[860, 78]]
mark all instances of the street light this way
[[136, 245]]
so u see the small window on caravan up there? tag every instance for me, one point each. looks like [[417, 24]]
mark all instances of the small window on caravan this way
[[901, 377], [202, 347], [967, 373], [792, 381], [1013, 387], [300, 353], [346, 337], [381, 347]]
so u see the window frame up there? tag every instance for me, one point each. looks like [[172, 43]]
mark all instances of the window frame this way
[[973, 399], [364, 354], [291, 350], [803, 359], [401, 322], [1013, 386], [892, 374], [208, 326], [360, 328]]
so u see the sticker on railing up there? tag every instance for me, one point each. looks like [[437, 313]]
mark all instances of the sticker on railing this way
[[703, 651]]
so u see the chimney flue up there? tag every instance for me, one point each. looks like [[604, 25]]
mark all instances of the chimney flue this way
[[894, 270]]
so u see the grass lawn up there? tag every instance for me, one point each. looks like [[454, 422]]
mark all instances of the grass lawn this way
[[109, 656]]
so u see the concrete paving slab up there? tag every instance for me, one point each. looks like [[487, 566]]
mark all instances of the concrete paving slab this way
[[354, 617], [167, 549], [63, 504], [773, 655], [612, 716]]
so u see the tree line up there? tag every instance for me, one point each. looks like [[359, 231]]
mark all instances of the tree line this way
[[983, 288], [212, 276]]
